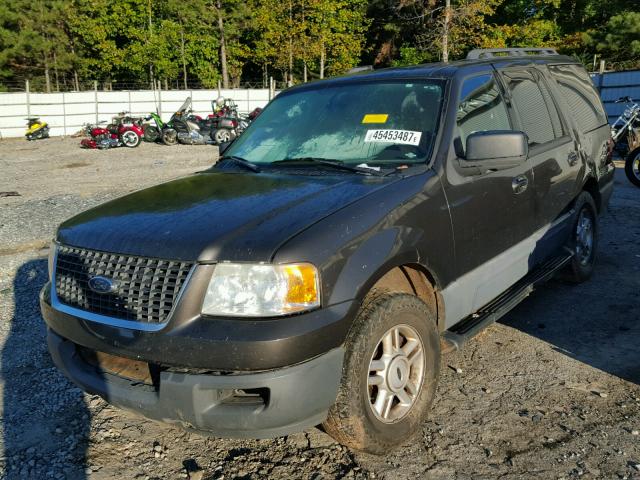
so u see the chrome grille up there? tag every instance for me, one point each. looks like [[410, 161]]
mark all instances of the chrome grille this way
[[146, 291]]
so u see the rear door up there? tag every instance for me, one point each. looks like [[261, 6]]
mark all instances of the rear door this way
[[553, 154], [589, 119]]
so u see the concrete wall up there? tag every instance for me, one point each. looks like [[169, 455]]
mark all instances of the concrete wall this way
[[67, 112]]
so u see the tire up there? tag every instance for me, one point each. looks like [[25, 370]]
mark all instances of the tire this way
[[222, 135], [170, 137], [632, 167], [356, 419], [130, 139], [151, 133], [583, 240]]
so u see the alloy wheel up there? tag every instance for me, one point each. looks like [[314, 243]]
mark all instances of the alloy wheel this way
[[223, 135], [130, 138], [396, 370], [584, 237]]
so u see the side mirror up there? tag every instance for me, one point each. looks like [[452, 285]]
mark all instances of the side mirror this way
[[495, 150], [224, 146]]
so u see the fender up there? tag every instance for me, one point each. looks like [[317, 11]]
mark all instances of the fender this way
[[397, 225]]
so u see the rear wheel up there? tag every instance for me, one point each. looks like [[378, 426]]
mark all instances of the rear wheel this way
[[632, 167], [583, 240], [390, 373], [151, 133], [222, 135]]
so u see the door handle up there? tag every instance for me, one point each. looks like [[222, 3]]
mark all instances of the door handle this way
[[519, 184], [572, 158]]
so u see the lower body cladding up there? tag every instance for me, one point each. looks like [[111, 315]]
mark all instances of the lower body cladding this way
[[247, 405]]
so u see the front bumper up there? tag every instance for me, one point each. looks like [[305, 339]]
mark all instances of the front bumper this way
[[295, 397], [190, 340]]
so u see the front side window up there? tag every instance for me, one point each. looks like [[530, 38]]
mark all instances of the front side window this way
[[532, 101], [481, 107], [363, 122]]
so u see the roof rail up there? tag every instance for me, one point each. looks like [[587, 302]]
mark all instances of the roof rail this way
[[508, 52]]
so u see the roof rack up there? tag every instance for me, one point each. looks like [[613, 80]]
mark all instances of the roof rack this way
[[508, 52]]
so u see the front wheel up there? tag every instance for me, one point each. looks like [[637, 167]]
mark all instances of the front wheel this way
[[170, 137], [390, 373], [632, 167], [130, 139]]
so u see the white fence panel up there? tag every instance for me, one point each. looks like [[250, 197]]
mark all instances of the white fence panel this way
[[67, 112]]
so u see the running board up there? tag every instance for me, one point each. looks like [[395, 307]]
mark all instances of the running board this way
[[469, 327]]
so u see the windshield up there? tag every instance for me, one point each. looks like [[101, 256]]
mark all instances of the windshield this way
[[364, 122]]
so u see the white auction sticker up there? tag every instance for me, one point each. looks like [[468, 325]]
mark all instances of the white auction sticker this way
[[405, 137]]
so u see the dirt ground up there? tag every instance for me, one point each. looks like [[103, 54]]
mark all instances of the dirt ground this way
[[551, 391]]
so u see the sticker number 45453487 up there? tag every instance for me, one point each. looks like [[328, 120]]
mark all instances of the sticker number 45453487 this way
[[406, 137]]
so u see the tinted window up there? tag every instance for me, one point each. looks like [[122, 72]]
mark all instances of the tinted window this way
[[532, 101], [481, 107], [580, 95]]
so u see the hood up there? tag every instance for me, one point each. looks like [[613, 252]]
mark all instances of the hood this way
[[215, 216]]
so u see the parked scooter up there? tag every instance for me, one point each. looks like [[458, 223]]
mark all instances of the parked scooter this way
[[122, 132], [36, 129], [625, 132]]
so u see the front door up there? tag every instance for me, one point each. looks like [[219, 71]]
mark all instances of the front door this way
[[492, 213]]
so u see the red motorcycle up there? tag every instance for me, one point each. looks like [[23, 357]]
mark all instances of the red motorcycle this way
[[123, 132]]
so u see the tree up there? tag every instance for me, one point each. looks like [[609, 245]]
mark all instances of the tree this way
[[619, 40]]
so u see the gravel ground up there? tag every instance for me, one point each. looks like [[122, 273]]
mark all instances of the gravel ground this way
[[55, 178], [551, 391]]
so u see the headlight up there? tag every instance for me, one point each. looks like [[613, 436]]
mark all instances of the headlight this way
[[52, 258], [246, 290]]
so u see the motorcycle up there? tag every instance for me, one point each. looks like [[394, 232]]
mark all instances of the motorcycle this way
[[153, 133], [187, 128], [625, 133], [36, 129], [226, 123], [122, 132]]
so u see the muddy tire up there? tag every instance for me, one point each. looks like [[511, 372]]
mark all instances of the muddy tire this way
[[389, 376], [583, 240]]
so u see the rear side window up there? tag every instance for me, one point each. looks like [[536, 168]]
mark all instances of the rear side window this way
[[534, 105], [481, 107], [580, 95]]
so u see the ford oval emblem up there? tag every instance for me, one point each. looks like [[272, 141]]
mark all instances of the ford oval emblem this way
[[102, 284]]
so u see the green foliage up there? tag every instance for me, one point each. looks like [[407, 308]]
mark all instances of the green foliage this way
[[619, 40], [323, 34], [411, 56], [68, 43]]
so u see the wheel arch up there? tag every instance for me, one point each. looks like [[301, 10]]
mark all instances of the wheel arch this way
[[408, 277], [592, 188]]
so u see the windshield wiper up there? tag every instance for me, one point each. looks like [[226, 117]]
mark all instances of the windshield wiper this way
[[330, 163], [241, 161]]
